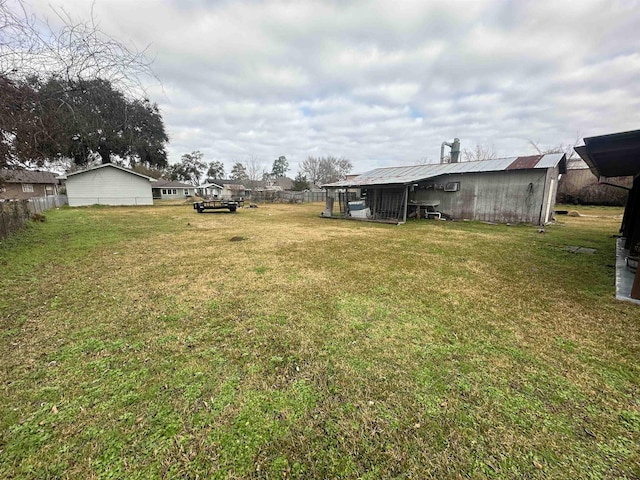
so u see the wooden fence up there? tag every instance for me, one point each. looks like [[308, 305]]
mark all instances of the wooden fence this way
[[42, 204], [15, 213]]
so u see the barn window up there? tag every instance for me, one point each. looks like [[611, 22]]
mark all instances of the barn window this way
[[164, 191], [27, 187]]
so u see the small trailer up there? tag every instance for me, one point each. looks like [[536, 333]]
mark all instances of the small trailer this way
[[231, 205]]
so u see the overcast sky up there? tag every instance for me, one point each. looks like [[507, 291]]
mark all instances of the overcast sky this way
[[382, 83]]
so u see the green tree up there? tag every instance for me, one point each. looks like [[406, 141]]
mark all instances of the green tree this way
[[216, 170], [149, 171], [189, 169], [20, 126], [280, 167], [85, 119], [239, 172], [145, 135], [300, 183]]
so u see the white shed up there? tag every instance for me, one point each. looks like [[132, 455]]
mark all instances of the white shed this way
[[108, 184]]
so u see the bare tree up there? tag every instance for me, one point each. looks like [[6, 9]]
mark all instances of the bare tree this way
[[328, 169], [255, 169], [31, 46], [567, 148], [34, 51], [311, 167], [480, 153]]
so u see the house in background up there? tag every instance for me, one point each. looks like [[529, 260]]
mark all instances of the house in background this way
[[273, 184], [171, 190], [508, 190], [226, 189], [22, 184], [210, 190], [285, 183], [233, 190], [108, 184]]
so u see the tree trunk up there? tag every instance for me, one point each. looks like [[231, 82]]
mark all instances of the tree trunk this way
[[105, 153]]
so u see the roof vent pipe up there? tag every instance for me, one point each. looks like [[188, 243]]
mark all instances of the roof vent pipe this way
[[455, 151]]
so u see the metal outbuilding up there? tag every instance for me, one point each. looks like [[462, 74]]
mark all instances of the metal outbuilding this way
[[509, 190]]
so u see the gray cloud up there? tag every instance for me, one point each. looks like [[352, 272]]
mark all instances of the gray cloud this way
[[382, 82]]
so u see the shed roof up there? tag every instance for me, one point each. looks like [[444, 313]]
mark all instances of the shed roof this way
[[108, 165], [613, 155], [28, 176], [414, 173]]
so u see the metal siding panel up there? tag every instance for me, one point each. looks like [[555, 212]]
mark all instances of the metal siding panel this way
[[496, 197]]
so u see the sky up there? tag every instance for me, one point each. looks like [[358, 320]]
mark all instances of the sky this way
[[382, 83]]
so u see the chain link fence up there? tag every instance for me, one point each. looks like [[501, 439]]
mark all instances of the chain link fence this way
[[282, 196]]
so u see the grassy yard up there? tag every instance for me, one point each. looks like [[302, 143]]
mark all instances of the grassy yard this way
[[144, 343]]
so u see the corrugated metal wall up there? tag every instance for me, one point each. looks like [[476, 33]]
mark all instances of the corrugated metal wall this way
[[516, 196]]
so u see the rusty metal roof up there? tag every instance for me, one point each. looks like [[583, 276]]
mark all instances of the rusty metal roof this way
[[524, 162], [415, 173]]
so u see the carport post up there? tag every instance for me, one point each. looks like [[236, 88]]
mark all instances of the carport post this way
[[635, 289], [406, 203]]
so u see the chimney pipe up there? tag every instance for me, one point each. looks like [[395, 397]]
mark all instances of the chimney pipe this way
[[455, 151]]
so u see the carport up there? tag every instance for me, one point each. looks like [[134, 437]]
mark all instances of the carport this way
[[617, 155]]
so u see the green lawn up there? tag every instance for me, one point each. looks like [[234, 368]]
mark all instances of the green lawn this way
[[143, 343]]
